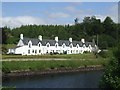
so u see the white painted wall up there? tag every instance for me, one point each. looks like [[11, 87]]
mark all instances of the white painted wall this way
[[36, 50]]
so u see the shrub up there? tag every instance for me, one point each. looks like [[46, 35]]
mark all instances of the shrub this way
[[111, 77], [103, 54], [4, 50], [51, 67], [6, 70]]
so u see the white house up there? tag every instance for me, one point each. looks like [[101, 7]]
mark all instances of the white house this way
[[38, 46]]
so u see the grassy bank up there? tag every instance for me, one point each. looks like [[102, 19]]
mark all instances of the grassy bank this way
[[8, 88], [72, 61], [72, 56], [9, 66]]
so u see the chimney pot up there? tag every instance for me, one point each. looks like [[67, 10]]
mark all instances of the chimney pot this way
[[21, 36], [83, 40], [70, 39], [40, 37], [56, 39]]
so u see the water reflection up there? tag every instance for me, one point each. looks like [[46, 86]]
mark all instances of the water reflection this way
[[67, 80]]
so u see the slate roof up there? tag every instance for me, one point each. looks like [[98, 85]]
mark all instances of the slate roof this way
[[66, 42], [45, 41], [34, 41], [52, 42]]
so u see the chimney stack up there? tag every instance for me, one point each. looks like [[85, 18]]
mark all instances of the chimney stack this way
[[83, 40], [21, 36], [70, 39], [40, 37], [56, 39]]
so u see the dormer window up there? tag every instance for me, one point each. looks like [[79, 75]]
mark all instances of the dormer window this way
[[48, 45], [89, 46], [63, 45], [56, 45], [84, 46], [71, 46], [39, 45], [29, 45], [77, 46]]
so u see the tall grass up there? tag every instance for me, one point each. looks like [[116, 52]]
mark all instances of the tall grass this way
[[8, 66]]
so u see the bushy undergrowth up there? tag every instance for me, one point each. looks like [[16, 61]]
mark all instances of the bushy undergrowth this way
[[111, 76]]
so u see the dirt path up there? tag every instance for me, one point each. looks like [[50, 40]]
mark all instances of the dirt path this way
[[37, 59]]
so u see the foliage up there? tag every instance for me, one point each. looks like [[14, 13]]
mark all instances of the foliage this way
[[106, 41], [111, 77], [103, 54], [88, 29], [8, 88], [4, 50]]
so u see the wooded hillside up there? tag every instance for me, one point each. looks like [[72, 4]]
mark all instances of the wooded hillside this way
[[108, 32]]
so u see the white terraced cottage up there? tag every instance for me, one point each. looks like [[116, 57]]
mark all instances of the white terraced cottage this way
[[38, 46]]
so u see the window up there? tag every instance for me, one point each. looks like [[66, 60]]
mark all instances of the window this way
[[63, 46], [39, 51], [76, 51], [28, 51], [77, 46], [32, 51], [56, 45], [89, 46], [83, 46], [35, 51], [29, 45], [39, 45], [70, 46], [48, 45]]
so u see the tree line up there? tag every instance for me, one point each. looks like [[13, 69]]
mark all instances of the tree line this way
[[107, 32]]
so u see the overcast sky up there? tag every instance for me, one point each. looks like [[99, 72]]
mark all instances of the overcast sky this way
[[15, 14]]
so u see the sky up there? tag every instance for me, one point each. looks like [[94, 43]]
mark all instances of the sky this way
[[15, 14]]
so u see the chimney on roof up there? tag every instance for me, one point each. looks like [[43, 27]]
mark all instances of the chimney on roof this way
[[21, 36], [40, 37], [70, 39], [56, 39], [83, 40]]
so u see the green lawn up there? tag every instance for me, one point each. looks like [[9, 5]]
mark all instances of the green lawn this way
[[72, 56], [73, 61], [8, 66], [8, 45]]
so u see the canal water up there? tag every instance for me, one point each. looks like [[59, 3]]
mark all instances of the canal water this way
[[86, 79]]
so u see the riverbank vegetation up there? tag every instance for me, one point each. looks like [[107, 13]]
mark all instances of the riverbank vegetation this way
[[22, 63], [10, 66], [8, 88], [111, 77]]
